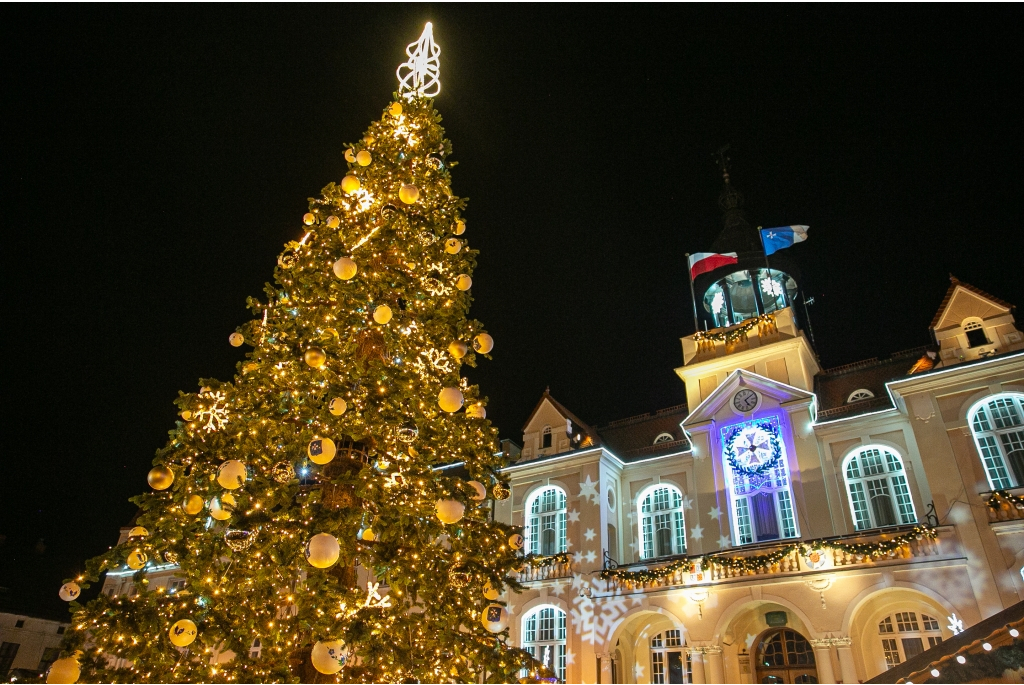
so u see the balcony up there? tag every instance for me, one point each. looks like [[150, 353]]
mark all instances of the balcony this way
[[721, 342], [1005, 510], [894, 546], [537, 568]]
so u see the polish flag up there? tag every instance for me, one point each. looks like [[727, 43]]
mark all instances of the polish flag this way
[[703, 262]]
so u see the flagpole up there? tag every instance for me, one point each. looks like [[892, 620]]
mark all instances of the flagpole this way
[[693, 296]]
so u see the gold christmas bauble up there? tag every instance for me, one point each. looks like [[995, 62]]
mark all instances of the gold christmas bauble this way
[[183, 633], [138, 532], [350, 156], [315, 357], [450, 400], [452, 245], [382, 314], [137, 559], [322, 550], [231, 474], [329, 657], [220, 507], [481, 491], [458, 577], [350, 184], [395, 109], [363, 158], [160, 477], [321, 450], [69, 591], [483, 343], [368, 535], [236, 339], [494, 617], [516, 541], [490, 592], [409, 194], [337, 406], [450, 510], [458, 349], [476, 411], [345, 268], [186, 414], [192, 505], [501, 491], [464, 282], [282, 472], [460, 227], [64, 670], [308, 218], [333, 221]]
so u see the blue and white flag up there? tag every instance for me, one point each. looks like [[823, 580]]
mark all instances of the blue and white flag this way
[[775, 239]]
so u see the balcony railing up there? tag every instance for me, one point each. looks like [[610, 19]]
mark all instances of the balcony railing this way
[[892, 546], [1005, 506], [545, 568]]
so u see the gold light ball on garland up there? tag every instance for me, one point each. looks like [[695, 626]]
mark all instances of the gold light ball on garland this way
[[501, 491], [464, 282], [321, 450], [459, 577], [69, 592], [183, 633], [160, 477], [309, 218], [315, 357], [480, 492], [460, 227], [450, 400], [66, 670], [192, 505], [395, 109], [350, 184], [450, 510], [337, 406], [483, 343], [345, 268], [322, 550], [490, 592], [516, 541], [220, 506], [452, 245], [186, 414], [494, 618], [236, 339], [409, 194], [476, 411], [329, 656], [239, 540], [363, 158], [407, 433], [282, 472], [333, 221], [458, 349], [137, 533], [382, 314], [137, 559], [350, 156], [231, 475]]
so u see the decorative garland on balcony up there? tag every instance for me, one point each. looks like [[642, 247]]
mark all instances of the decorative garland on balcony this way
[[539, 561], [752, 564], [1000, 496], [736, 333]]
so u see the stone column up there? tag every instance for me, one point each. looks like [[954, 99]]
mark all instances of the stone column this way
[[697, 664], [823, 660], [716, 669], [605, 676], [844, 646]]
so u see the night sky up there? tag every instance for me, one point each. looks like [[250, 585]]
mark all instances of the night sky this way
[[156, 159]]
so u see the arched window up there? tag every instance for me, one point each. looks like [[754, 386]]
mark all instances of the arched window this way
[[545, 524], [999, 435], [664, 437], [669, 661], [545, 437], [859, 394], [661, 522], [877, 486], [974, 331], [544, 638], [904, 637], [785, 656]]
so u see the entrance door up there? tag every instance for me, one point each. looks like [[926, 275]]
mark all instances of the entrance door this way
[[785, 656]]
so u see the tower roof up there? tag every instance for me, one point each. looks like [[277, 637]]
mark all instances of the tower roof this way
[[737, 234]]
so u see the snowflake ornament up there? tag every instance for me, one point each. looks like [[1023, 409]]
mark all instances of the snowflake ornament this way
[[213, 413], [420, 76]]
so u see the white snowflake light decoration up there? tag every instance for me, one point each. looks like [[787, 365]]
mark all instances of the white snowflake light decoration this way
[[718, 302], [421, 74], [771, 287], [213, 413], [373, 598]]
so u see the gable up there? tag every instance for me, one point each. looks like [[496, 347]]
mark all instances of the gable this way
[[546, 414], [771, 391], [963, 301]]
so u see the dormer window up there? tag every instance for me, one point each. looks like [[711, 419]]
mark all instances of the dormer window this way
[[545, 438], [663, 437], [975, 333], [859, 394]]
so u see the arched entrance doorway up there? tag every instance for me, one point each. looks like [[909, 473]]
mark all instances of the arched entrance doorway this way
[[784, 656]]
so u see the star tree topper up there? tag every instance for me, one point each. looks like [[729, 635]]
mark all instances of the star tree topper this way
[[421, 74]]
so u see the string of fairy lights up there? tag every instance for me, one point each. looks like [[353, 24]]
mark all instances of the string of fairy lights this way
[[733, 334]]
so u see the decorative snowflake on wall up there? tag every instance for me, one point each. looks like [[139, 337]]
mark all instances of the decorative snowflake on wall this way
[[753, 448], [718, 302], [771, 287], [213, 413]]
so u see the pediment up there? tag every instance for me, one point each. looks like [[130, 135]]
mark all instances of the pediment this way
[[963, 301], [771, 391]]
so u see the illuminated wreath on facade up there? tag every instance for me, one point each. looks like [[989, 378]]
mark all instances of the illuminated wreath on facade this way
[[753, 448]]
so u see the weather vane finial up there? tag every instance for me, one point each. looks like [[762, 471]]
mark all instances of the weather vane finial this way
[[420, 76]]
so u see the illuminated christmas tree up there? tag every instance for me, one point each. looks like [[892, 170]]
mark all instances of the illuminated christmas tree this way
[[306, 502]]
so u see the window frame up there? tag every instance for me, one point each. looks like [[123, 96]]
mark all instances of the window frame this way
[[558, 641], [906, 625], [859, 395], [992, 440], [897, 484], [547, 439], [536, 522], [676, 518], [660, 647]]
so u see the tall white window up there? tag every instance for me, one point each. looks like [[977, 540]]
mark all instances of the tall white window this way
[[998, 430], [662, 529], [877, 486], [759, 489], [904, 635], [669, 661], [545, 524], [544, 638]]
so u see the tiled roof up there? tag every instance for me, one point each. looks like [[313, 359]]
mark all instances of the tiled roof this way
[[834, 386], [633, 438], [953, 284]]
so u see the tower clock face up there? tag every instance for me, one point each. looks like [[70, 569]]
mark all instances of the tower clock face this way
[[745, 400]]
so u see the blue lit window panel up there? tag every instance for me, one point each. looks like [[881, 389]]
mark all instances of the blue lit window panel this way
[[744, 533]]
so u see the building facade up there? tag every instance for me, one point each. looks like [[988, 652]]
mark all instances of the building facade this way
[[788, 524], [28, 645]]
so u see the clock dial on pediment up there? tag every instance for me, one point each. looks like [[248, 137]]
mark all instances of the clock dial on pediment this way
[[745, 400]]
